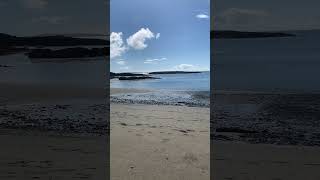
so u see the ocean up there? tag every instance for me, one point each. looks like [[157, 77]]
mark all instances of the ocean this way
[[170, 89], [286, 71], [268, 64], [169, 82], [78, 73]]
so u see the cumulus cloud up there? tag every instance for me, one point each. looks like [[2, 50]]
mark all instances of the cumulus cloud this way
[[117, 48], [138, 39], [35, 4], [154, 61], [202, 16]]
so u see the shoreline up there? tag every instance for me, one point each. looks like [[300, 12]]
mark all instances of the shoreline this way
[[114, 91], [160, 97], [58, 110]]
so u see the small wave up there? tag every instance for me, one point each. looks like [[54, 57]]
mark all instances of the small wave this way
[[194, 98]]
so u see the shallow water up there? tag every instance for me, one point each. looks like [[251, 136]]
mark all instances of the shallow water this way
[[171, 89], [169, 82]]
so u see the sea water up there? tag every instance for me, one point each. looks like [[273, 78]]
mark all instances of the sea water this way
[[170, 89], [267, 64]]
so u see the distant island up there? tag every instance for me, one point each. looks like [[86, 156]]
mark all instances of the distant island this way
[[12, 44], [139, 76], [77, 52], [241, 34], [130, 76], [56, 40], [174, 72]]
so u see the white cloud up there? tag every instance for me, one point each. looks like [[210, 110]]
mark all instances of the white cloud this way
[[202, 16], [138, 39], [121, 62], [117, 48], [35, 4], [158, 36], [135, 41], [154, 61]]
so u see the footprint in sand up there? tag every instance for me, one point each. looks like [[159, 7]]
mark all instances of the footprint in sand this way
[[190, 157], [165, 140]]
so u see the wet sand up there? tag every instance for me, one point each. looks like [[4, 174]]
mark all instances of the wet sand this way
[[26, 156], [123, 90], [265, 136], [267, 118], [236, 160], [53, 132]]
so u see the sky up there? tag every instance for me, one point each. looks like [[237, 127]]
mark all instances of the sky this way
[[160, 35], [34, 17], [267, 15]]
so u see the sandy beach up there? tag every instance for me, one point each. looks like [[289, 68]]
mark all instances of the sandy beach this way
[[159, 142], [53, 132]]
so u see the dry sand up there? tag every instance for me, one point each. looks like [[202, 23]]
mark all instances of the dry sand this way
[[159, 142]]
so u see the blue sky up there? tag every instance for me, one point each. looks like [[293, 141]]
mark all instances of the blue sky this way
[[160, 35]]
